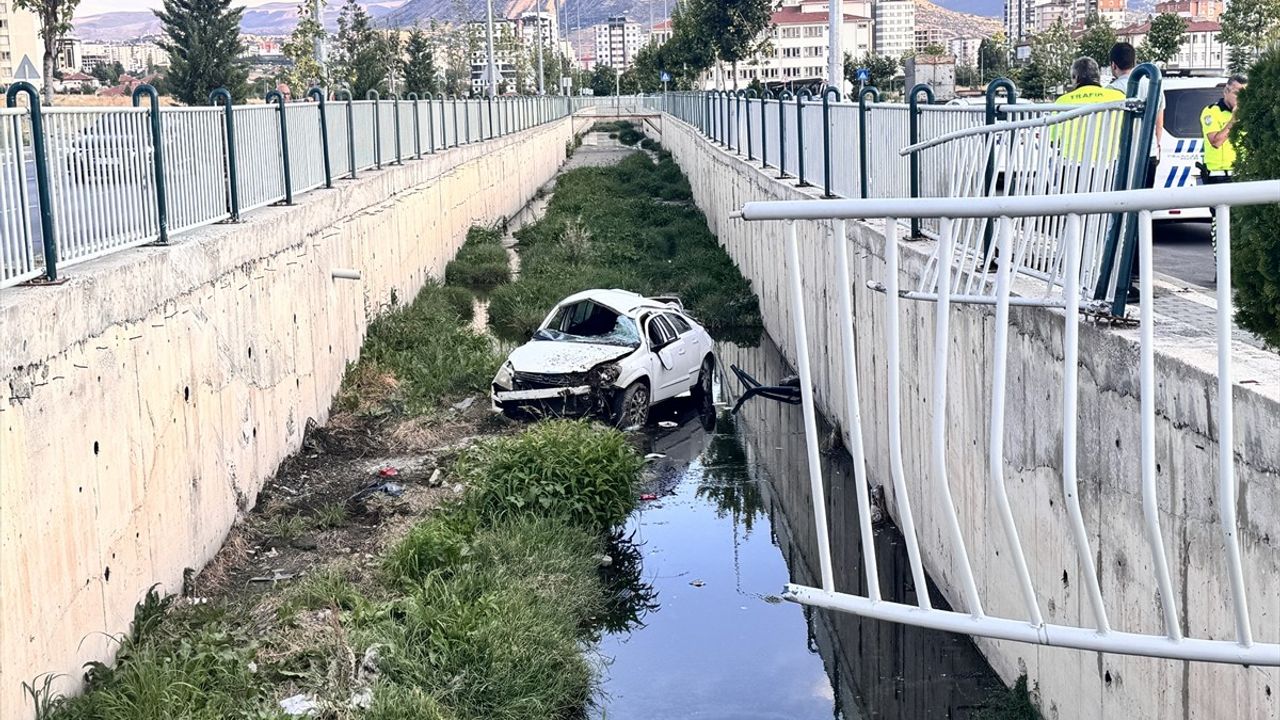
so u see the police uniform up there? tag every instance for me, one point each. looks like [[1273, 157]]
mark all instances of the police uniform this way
[[1073, 134], [1218, 161]]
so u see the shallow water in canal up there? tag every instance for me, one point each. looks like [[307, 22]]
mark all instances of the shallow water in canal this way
[[705, 633]]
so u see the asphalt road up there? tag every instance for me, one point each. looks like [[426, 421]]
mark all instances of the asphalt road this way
[[1184, 250]]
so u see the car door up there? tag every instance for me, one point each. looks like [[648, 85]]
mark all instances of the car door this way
[[670, 373], [690, 351]]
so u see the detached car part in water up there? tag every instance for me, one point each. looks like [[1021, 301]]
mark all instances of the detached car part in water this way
[[788, 391], [609, 353]]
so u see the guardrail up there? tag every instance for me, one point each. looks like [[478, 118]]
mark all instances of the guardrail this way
[[855, 149], [1006, 213], [79, 183]]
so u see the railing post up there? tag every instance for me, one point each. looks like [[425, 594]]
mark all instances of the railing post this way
[[764, 129], [725, 140], [826, 138], [783, 97], [706, 116], [457, 138], [318, 95], [395, 111], [372, 94], [1134, 178], [800, 96], [913, 103], [737, 115], [992, 115], [42, 172], [417, 125], [490, 100], [750, 95], [351, 129], [229, 116], [157, 156], [869, 91], [431, 124], [278, 98]]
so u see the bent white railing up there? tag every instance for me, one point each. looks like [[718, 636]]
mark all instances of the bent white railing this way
[[973, 620]]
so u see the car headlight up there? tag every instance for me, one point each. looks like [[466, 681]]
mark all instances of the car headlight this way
[[506, 376], [602, 376]]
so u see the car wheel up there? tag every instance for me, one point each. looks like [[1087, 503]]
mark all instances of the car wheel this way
[[631, 406], [705, 375]]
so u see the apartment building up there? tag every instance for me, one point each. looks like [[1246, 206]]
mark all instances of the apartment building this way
[[507, 49], [617, 42], [1201, 49], [895, 27], [964, 50], [1192, 9], [135, 57], [930, 36], [535, 25], [797, 48], [19, 38]]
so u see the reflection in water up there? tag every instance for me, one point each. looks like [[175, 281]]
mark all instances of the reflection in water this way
[[630, 598], [721, 644]]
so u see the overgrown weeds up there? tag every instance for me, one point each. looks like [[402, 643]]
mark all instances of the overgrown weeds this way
[[633, 226], [481, 264], [419, 355]]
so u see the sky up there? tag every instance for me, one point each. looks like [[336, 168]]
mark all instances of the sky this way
[[97, 7]]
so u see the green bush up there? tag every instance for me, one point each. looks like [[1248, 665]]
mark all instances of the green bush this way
[[481, 263], [418, 355], [441, 541], [630, 136], [1255, 247], [574, 470]]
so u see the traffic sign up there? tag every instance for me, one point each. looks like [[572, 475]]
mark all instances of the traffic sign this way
[[666, 76], [864, 75], [27, 70]]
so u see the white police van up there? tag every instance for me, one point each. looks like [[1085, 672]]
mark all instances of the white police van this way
[[1182, 144]]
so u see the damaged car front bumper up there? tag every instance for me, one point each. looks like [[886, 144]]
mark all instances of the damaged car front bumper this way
[[553, 401]]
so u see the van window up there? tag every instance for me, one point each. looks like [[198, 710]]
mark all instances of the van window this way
[[1182, 116]]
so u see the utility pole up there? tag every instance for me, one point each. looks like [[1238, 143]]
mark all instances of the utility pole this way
[[542, 89], [317, 7], [493, 66], [835, 60]]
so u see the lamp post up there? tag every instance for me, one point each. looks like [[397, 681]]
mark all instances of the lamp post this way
[[493, 68], [835, 18]]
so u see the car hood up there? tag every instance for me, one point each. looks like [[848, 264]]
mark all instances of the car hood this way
[[555, 357]]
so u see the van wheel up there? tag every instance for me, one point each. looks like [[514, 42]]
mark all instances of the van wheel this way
[[631, 406], [702, 389]]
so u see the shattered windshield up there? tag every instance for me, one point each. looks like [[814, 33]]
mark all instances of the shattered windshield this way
[[587, 322]]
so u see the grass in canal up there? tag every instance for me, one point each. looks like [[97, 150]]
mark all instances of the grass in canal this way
[[481, 264], [633, 226], [478, 613]]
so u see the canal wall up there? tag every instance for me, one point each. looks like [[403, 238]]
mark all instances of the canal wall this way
[[149, 397], [1067, 683]]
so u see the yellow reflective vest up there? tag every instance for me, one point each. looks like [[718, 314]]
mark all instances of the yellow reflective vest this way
[[1213, 119], [1075, 136]]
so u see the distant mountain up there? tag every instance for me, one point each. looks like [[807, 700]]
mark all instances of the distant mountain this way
[[953, 23], [276, 18], [575, 13], [986, 8]]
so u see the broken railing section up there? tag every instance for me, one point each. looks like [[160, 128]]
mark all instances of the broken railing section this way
[[1065, 287]]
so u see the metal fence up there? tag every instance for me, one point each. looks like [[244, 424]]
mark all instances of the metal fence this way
[[1154, 573], [78, 183]]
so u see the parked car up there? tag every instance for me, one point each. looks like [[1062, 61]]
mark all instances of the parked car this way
[[609, 353]]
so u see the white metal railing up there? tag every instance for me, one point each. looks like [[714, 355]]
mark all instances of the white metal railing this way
[[195, 148], [971, 618], [20, 255], [259, 156], [306, 147]]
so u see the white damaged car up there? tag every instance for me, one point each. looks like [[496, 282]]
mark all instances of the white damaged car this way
[[610, 353]]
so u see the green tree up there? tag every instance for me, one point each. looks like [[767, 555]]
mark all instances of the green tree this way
[[1097, 40], [993, 57], [603, 80], [300, 48], [55, 23], [362, 59], [419, 66], [933, 49], [1247, 27], [1255, 247], [968, 76], [202, 38], [1049, 67], [737, 29], [107, 73], [882, 69], [1163, 39]]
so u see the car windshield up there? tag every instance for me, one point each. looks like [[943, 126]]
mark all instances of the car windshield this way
[[1182, 116], [587, 322]]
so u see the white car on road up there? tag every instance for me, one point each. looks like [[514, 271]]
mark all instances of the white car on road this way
[[606, 352]]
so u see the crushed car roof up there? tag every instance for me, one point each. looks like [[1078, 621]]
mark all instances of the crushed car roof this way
[[620, 301]]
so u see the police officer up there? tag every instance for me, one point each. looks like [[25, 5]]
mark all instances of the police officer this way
[[1073, 134], [1216, 121]]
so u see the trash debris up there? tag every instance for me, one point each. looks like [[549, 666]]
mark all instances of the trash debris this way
[[666, 424], [434, 480], [362, 699], [697, 583], [605, 561], [646, 497], [388, 471], [386, 488], [300, 706], [276, 576], [654, 456], [368, 665], [464, 405], [457, 488]]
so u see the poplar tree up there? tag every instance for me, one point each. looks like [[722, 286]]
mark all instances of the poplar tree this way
[[362, 59], [420, 73], [202, 38], [301, 46]]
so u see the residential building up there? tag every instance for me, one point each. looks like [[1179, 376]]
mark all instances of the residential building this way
[[1048, 13], [965, 50], [507, 52], [617, 42], [1019, 20], [895, 27], [930, 36], [661, 32], [1192, 9], [797, 47], [1201, 49], [1113, 11], [135, 57], [531, 22], [19, 38], [70, 54]]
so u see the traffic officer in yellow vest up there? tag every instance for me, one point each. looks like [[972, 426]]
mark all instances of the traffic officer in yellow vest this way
[[1216, 121], [1074, 135]]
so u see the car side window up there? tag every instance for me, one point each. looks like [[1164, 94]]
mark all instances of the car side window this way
[[659, 331], [681, 326]]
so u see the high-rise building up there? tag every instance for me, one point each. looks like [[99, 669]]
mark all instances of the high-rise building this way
[[895, 27], [533, 22], [965, 50], [798, 45], [19, 38], [506, 52], [1019, 20], [1192, 9], [617, 42]]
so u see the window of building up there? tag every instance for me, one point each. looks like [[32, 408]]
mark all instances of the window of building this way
[[791, 32]]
